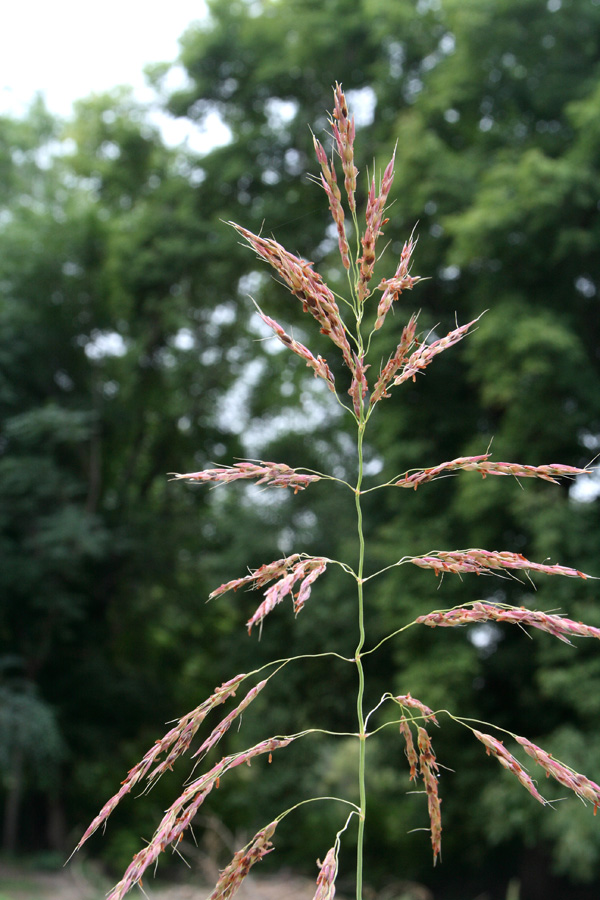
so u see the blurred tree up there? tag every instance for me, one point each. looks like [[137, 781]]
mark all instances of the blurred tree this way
[[110, 376]]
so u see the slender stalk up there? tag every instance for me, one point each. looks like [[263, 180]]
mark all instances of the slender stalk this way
[[361, 675]]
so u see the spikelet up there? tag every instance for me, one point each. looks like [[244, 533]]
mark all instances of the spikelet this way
[[231, 877], [429, 769], [483, 562], [496, 748], [485, 466], [326, 877], [269, 473]]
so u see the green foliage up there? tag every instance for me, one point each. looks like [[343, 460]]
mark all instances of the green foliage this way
[[121, 290]]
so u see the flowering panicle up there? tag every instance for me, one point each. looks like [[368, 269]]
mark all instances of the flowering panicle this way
[[342, 127], [330, 186], [496, 748], [482, 562], [481, 611], [429, 769], [294, 575], [174, 743], [270, 473], [485, 466], [180, 814], [398, 358], [579, 784], [232, 876], [374, 219], [305, 284], [319, 365], [326, 877], [393, 287]]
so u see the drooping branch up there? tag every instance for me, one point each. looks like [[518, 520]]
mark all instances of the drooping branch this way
[[483, 562]]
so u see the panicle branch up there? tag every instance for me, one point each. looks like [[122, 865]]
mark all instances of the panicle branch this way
[[429, 769], [579, 784], [496, 748], [305, 284], [359, 387], [180, 814], [482, 562], [232, 876], [342, 127], [270, 473], [260, 577], [393, 287], [289, 571], [413, 703], [306, 572], [319, 365], [374, 219], [481, 611], [398, 358], [175, 743], [408, 702], [329, 183], [421, 358], [411, 753], [485, 466], [224, 725]]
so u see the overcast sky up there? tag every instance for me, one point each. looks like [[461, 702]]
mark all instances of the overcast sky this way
[[70, 48]]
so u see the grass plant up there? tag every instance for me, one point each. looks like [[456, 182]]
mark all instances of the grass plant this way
[[350, 322]]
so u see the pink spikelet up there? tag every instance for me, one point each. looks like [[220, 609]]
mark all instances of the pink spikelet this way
[[401, 281], [411, 753], [485, 466], [480, 611], [398, 358], [224, 725], [374, 218], [483, 562], [318, 364], [329, 183], [342, 127], [359, 387], [232, 877], [579, 784], [429, 769], [174, 744], [326, 877], [421, 358], [304, 593], [306, 572], [269, 473], [306, 285], [412, 703], [496, 748], [260, 577]]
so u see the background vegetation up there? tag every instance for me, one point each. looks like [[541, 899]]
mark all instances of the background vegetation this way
[[129, 350]]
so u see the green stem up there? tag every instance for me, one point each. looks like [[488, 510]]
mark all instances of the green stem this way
[[361, 675]]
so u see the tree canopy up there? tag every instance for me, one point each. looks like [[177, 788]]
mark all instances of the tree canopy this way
[[130, 350]]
